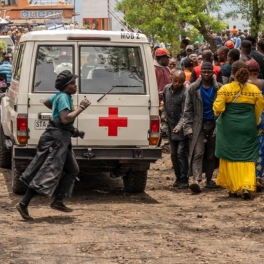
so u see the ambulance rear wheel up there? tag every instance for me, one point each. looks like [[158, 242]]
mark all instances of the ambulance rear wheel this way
[[135, 181], [18, 187]]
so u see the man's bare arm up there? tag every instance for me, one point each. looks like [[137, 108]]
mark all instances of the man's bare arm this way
[[47, 103]]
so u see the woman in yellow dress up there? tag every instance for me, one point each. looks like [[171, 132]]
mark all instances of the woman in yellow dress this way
[[238, 106]]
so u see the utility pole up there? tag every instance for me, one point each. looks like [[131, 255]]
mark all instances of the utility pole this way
[[74, 13]]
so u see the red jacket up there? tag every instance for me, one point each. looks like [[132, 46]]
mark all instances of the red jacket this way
[[162, 76], [196, 72]]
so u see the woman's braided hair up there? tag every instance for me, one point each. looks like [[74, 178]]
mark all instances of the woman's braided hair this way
[[240, 71]]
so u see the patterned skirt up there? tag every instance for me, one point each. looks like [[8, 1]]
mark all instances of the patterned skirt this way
[[237, 176]]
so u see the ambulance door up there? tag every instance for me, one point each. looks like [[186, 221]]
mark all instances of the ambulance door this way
[[113, 79], [50, 59]]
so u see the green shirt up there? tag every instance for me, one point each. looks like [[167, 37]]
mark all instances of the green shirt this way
[[60, 102], [226, 70], [200, 39]]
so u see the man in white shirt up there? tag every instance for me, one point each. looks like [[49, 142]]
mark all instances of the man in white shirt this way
[[65, 63]]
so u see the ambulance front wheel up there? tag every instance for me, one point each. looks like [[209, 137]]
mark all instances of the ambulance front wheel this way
[[135, 181]]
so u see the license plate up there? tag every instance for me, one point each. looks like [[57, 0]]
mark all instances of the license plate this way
[[44, 116], [41, 124]]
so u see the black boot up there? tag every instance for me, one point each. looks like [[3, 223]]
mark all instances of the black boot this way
[[195, 187], [23, 210], [211, 184], [60, 206]]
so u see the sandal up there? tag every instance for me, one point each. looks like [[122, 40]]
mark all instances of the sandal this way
[[246, 194]]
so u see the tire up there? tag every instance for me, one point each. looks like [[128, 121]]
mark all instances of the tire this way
[[18, 187], [5, 156], [159, 142], [135, 181]]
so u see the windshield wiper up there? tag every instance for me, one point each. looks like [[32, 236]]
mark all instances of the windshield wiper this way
[[116, 86]]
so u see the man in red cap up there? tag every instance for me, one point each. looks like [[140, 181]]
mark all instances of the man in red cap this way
[[162, 70], [230, 44]]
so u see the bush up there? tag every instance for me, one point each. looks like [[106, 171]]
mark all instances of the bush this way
[[3, 46]]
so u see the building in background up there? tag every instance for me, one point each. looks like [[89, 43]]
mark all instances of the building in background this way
[[32, 12], [99, 14]]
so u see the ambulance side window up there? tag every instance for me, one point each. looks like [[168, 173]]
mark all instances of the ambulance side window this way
[[50, 61], [16, 51], [18, 62]]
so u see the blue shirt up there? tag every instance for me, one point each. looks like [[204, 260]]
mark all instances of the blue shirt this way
[[6, 68], [60, 102], [238, 43], [219, 41], [208, 100]]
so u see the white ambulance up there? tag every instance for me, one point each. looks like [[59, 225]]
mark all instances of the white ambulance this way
[[116, 74]]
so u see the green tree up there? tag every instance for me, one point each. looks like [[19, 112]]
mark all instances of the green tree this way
[[3, 46], [167, 18], [250, 10]]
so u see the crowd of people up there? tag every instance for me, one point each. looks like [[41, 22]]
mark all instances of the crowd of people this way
[[15, 32], [213, 105], [6, 69]]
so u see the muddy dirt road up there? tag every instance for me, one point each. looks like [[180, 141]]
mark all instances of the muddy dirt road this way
[[108, 225]]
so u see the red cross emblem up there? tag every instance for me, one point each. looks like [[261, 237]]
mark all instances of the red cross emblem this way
[[113, 122]]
